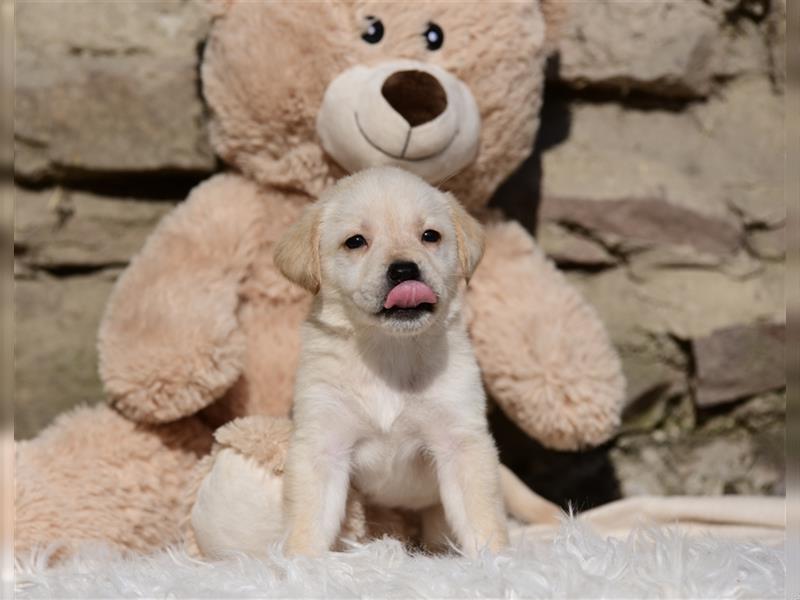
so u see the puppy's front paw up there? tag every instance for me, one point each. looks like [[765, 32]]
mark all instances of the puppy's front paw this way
[[301, 544], [494, 540], [498, 541]]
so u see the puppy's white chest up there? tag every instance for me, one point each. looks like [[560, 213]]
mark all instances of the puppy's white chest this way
[[392, 466], [383, 409]]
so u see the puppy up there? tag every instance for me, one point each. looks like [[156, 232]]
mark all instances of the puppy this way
[[388, 396]]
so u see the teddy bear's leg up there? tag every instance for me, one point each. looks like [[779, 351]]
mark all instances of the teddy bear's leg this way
[[238, 504], [546, 358], [93, 475], [238, 507]]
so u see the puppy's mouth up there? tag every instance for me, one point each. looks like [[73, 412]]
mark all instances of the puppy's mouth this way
[[409, 300]]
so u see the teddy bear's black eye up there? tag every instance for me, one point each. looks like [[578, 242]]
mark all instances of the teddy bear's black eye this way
[[434, 36], [374, 31], [431, 236], [355, 241]]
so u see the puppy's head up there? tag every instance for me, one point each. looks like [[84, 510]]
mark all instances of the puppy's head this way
[[388, 247]]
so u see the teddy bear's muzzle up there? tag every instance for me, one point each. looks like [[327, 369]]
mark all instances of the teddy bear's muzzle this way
[[406, 113], [403, 113]]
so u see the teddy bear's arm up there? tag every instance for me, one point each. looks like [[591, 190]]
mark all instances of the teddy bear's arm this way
[[169, 341], [545, 355]]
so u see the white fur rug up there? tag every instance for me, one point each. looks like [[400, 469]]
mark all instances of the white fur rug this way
[[656, 562]]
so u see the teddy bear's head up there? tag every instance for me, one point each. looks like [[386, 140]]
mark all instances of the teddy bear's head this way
[[304, 92]]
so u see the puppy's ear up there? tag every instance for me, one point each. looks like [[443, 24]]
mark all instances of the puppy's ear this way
[[469, 235], [297, 253]]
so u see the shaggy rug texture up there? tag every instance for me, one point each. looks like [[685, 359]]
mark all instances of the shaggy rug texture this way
[[576, 562]]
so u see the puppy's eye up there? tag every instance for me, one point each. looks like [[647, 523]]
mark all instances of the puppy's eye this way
[[431, 236], [374, 31], [434, 36], [355, 241]]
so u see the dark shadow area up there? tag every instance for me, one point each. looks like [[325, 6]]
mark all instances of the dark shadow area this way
[[753, 10], [616, 92], [519, 195], [580, 479], [73, 270], [200, 51], [154, 185]]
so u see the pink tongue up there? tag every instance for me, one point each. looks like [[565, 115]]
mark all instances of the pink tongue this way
[[409, 294]]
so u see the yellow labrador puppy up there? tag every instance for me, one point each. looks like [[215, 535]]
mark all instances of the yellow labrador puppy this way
[[388, 396]]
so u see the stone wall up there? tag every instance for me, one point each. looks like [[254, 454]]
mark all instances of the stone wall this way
[[656, 184]]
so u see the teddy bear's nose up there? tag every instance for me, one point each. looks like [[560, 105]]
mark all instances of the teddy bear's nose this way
[[416, 95]]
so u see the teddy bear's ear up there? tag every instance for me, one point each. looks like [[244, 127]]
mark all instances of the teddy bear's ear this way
[[469, 235], [297, 253]]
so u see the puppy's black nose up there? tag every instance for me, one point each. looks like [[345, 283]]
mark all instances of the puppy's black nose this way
[[402, 271]]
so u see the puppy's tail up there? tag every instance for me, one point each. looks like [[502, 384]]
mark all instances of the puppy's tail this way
[[523, 504]]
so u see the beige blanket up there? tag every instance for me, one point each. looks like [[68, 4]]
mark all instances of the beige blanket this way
[[756, 518]]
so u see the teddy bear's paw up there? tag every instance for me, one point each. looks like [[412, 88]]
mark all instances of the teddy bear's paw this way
[[238, 507], [546, 357], [261, 438]]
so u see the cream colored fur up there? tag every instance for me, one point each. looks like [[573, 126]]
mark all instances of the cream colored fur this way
[[202, 328]]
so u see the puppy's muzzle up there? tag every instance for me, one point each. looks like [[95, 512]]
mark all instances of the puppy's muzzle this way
[[408, 295]]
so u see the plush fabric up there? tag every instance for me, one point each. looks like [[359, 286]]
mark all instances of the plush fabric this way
[[565, 393], [732, 517], [577, 562], [201, 328], [132, 493]]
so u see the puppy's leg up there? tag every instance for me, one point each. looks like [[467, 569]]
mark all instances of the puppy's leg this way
[[468, 473], [315, 494], [436, 533]]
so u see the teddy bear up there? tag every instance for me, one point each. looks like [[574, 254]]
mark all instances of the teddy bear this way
[[201, 329]]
